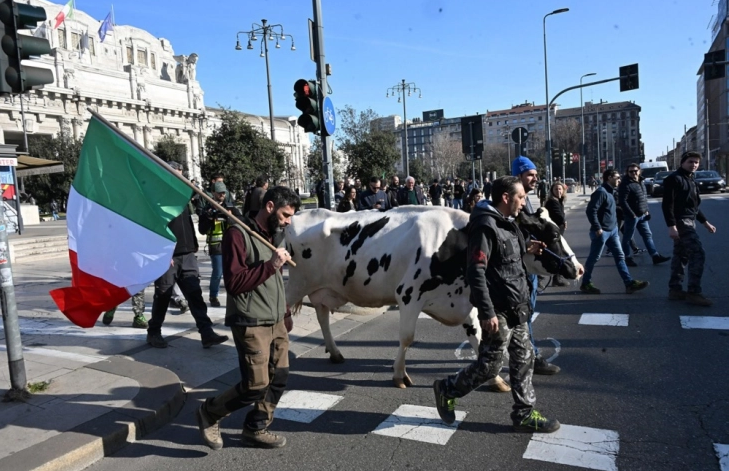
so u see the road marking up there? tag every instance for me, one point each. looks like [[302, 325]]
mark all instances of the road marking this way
[[423, 315], [704, 322], [422, 424], [594, 318], [47, 352], [304, 406], [722, 452], [572, 445], [534, 316]]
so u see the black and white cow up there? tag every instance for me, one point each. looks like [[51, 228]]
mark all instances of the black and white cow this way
[[413, 257]]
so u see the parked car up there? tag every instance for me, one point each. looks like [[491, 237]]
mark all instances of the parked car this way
[[570, 183], [656, 188], [709, 180]]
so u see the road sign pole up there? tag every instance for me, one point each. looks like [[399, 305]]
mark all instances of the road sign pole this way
[[321, 76]]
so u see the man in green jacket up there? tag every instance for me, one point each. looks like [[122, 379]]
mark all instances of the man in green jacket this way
[[256, 313]]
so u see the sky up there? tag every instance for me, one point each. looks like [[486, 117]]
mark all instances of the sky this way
[[467, 56]]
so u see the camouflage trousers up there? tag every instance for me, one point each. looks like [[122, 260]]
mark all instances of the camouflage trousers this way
[[138, 304], [488, 364], [687, 251]]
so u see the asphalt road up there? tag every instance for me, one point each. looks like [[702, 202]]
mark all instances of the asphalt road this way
[[649, 395]]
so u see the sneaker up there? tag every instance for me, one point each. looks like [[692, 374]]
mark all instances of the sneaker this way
[[263, 438], [108, 317], [156, 340], [139, 322], [589, 288], [498, 385], [209, 430], [559, 280], [184, 307], [446, 406], [536, 423], [639, 251], [676, 295], [213, 339], [630, 262], [636, 285], [698, 299], [658, 258], [608, 253], [214, 301], [543, 367]]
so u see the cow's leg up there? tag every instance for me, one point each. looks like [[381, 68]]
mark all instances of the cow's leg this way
[[322, 315], [475, 334], [408, 319]]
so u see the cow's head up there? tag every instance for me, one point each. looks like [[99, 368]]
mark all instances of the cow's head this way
[[558, 258]]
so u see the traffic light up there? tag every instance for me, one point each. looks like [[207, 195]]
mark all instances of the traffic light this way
[[628, 77], [565, 158], [307, 100], [556, 155], [715, 64], [15, 47]]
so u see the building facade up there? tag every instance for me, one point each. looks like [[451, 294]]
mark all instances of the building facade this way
[[499, 124]]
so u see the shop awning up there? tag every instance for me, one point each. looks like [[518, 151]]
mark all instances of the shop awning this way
[[28, 165]]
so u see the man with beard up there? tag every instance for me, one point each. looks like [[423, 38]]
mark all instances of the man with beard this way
[[257, 315]]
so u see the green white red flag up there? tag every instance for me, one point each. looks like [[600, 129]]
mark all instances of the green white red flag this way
[[65, 13], [119, 206]]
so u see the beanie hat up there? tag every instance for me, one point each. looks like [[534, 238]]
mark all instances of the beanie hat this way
[[219, 187], [520, 165]]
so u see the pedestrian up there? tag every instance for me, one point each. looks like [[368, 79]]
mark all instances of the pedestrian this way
[[373, 197], [184, 271], [252, 207], [542, 191], [392, 191], [410, 194], [525, 169], [634, 203], [601, 214], [472, 200], [349, 202], [338, 192], [486, 192], [321, 192], [681, 201], [555, 207], [54, 210], [139, 322], [257, 316], [458, 192], [500, 292], [436, 193], [448, 193]]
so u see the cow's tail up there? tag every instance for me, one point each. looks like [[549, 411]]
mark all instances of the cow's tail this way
[[297, 307]]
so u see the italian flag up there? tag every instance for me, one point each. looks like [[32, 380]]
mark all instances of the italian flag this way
[[66, 12], [119, 206]]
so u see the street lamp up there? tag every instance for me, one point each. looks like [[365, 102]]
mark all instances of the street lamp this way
[[582, 125], [546, 91], [268, 33], [401, 88]]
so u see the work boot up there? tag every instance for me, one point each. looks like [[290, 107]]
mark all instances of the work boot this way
[[446, 406], [589, 288], [636, 285], [108, 317], [676, 295], [560, 280], [658, 258], [498, 385], [139, 322], [156, 340], [214, 301], [630, 262], [536, 423], [209, 429], [184, 307], [698, 299], [213, 339], [263, 438], [543, 367]]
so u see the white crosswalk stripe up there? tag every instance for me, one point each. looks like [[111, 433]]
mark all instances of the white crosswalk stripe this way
[[419, 423], [304, 406], [572, 445], [722, 452], [595, 318], [704, 322]]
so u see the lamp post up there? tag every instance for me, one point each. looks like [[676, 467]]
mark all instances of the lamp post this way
[[582, 125], [546, 91], [401, 88], [268, 33]]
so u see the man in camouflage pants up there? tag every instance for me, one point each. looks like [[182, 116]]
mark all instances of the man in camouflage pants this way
[[139, 321], [500, 292]]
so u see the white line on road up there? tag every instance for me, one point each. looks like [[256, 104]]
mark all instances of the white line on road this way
[[419, 423], [304, 406], [704, 322], [572, 445], [47, 352], [594, 318], [722, 452]]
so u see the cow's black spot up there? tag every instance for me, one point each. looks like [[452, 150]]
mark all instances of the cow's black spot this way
[[429, 285], [306, 253], [470, 330], [348, 254], [452, 305], [373, 266], [417, 255], [449, 294], [399, 289], [350, 233], [367, 281], [459, 291], [406, 299], [448, 262], [368, 231], [417, 274], [350, 271], [385, 261]]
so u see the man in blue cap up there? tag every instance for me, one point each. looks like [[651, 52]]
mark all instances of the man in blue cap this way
[[525, 169]]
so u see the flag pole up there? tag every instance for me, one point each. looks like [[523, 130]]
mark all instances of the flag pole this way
[[187, 182], [113, 19]]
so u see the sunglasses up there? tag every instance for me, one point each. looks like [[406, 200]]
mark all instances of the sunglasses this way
[[633, 171]]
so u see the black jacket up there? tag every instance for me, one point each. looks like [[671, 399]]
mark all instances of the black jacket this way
[[632, 198], [392, 193], [368, 199], [556, 211], [495, 268], [402, 196], [681, 198], [184, 231]]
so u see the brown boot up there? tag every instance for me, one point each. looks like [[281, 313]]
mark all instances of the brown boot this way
[[698, 299], [498, 385], [263, 438], [209, 429]]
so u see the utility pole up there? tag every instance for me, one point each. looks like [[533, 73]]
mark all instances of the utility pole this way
[[321, 76]]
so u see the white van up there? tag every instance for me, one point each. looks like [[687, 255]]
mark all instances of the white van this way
[[648, 171]]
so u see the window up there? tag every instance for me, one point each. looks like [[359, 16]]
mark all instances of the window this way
[[498, 123], [92, 46], [62, 38], [632, 142], [539, 118], [75, 41], [130, 55], [490, 124], [141, 57], [153, 61]]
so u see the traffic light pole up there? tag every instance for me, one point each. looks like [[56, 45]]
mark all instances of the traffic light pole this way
[[321, 76], [473, 163]]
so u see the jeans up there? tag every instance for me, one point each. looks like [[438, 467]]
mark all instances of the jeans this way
[[457, 203], [629, 227], [217, 261], [612, 240]]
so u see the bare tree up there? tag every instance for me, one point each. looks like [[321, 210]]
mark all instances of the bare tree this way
[[496, 158], [446, 155], [567, 135]]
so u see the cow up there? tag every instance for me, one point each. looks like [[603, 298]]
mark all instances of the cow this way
[[413, 257]]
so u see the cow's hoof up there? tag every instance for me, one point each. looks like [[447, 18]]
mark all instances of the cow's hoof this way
[[403, 383], [498, 385], [336, 358]]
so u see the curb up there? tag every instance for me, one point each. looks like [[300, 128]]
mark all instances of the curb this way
[[160, 398]]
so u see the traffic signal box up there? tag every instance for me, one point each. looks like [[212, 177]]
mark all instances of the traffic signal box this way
[[306, 93], [15, 47], [715, 64], [556, 155], [629, 77]]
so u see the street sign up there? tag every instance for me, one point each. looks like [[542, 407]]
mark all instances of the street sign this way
[[575, 158], [330, 118], [519, 135], [472, 135]]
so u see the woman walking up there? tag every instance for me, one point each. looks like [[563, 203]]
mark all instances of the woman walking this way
[[555, 207]]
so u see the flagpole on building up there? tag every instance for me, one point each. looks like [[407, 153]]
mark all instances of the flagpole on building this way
[[187, 182], [113, 19]]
